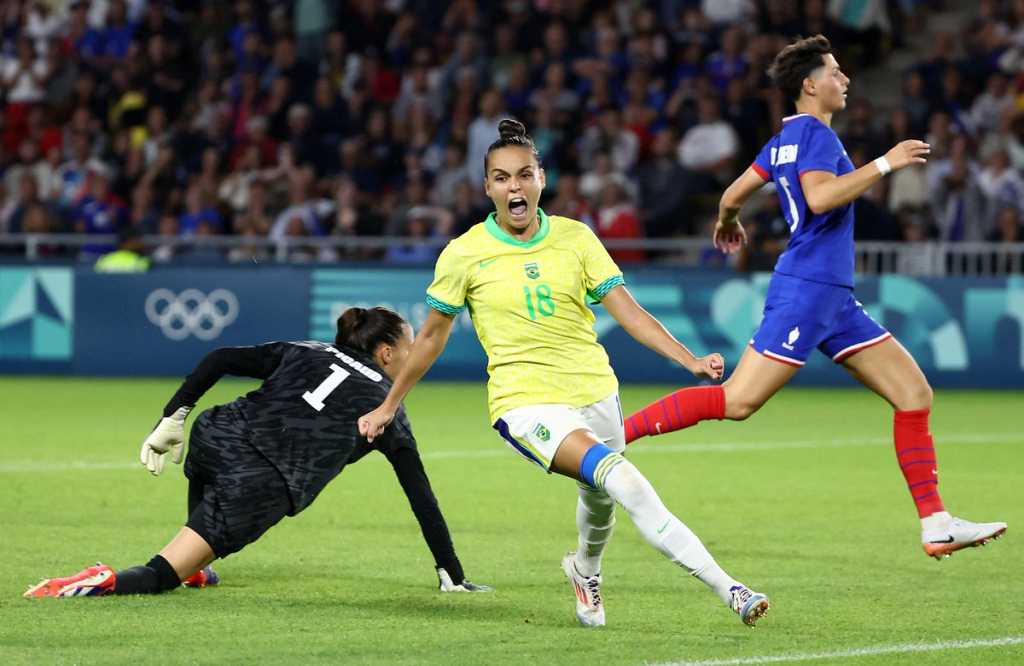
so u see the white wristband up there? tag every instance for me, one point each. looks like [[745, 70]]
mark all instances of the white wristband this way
[[883, 165]]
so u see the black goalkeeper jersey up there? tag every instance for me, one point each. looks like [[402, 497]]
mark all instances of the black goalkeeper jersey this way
[[303, 418]]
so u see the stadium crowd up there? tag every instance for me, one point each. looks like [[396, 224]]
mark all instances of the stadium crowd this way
[[318, 118]]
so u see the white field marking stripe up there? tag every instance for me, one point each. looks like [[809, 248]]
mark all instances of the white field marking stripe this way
[[852, 653], [499, 452]]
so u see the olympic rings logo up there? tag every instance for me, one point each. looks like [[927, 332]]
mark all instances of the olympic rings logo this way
[[192, 312]]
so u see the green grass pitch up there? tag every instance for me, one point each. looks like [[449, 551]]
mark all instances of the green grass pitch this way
[[804, 501]]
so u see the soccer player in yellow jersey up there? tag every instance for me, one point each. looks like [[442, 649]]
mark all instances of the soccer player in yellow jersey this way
[[526, 277]]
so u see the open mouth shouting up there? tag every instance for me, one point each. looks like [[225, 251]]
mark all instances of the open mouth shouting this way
[[517, 208]]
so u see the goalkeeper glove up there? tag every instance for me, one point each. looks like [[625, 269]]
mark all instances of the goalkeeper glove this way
[[167, 437]]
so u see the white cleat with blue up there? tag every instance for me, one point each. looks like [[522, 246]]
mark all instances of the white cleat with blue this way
[[749, 605], [589, 605]]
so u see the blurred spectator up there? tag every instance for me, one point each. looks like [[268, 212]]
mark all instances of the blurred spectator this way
[[570, 202], [609, 136], [711, 145], [98, 211], [959, 202], [664, 188], [617, 219], [129, 257]]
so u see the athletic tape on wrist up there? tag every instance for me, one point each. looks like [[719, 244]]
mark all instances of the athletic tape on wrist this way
[[883, 165]]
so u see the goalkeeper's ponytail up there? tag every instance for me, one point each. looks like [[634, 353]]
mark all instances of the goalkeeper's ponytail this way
[[364, 329]]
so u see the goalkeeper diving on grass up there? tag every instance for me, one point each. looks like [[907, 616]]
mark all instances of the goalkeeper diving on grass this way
[[268, 454]]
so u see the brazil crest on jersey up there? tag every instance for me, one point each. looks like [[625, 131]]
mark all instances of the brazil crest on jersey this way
[[528, 302], [820, 246]]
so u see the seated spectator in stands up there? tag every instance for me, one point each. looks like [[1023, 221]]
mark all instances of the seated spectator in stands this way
[[451, 174], [729, 62], [419, 227], [555, 92], [298, 252], [609, 136], [23, 84], [860, 131], [711, 145], [98, 211], [617, 219], [664, 188], [482, 132], [26, 198], [301, 207], [1001, 184], [517, 92], [40, 219], [600, 173], [29, 162], [167, 228], [144, 214], [988, 107], [199, 209], [468, 210], [916, 102], [958, 202], [570, 202]]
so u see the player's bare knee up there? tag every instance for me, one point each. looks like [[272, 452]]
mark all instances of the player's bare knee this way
[[919, 395], [739, 410]]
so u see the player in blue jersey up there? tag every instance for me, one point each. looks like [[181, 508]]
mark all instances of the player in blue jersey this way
[[810, 302]]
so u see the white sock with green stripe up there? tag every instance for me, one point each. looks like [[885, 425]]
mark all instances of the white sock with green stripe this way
[[626, 485], [595, 518]]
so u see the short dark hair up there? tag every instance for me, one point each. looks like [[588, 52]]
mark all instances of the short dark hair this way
[[511, 133], [794, 63], [363, 329]]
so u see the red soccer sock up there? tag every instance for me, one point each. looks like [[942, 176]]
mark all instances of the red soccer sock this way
[[682, 409], [915, 452]]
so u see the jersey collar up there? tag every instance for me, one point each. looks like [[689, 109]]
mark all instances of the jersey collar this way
[[492, 226]]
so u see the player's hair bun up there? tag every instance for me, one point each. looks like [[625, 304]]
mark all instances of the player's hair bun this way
[[365, 329], [511, 129]]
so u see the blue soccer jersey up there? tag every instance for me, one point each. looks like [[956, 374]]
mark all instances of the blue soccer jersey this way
[[820, 246]]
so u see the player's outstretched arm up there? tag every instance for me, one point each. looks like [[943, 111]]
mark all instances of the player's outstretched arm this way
[[825, 191], [729, 235], [650, 332], [413, 478], [427, 346]]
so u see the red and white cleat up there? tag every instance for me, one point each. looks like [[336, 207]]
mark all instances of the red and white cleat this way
[[94, 581]]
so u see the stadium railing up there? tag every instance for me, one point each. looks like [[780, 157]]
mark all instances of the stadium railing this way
[[925, 259]]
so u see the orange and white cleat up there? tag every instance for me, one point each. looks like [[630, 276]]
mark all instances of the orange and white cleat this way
[[205, 577], [958, 533], [94, 581]]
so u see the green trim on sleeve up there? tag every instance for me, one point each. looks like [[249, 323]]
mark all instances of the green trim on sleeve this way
[[441, 306], [601, 290]]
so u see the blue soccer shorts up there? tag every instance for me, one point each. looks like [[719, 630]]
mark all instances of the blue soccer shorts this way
[[801, 315]]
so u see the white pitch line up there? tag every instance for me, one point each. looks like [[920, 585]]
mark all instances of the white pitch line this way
[[853, 653], [498, 451]]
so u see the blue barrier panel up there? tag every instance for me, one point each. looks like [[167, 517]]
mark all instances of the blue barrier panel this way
[[963, 332], [164, 321]]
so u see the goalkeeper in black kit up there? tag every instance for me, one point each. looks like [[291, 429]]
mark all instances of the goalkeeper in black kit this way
[[268, 454]]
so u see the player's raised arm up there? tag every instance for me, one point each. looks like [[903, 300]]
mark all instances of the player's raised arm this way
[[825, 191], [429, 343], [651, 333]]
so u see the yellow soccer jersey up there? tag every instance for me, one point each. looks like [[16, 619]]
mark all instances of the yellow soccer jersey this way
[[528, 302]]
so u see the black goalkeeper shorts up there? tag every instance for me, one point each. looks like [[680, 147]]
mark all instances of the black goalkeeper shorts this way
[[242, 494]]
